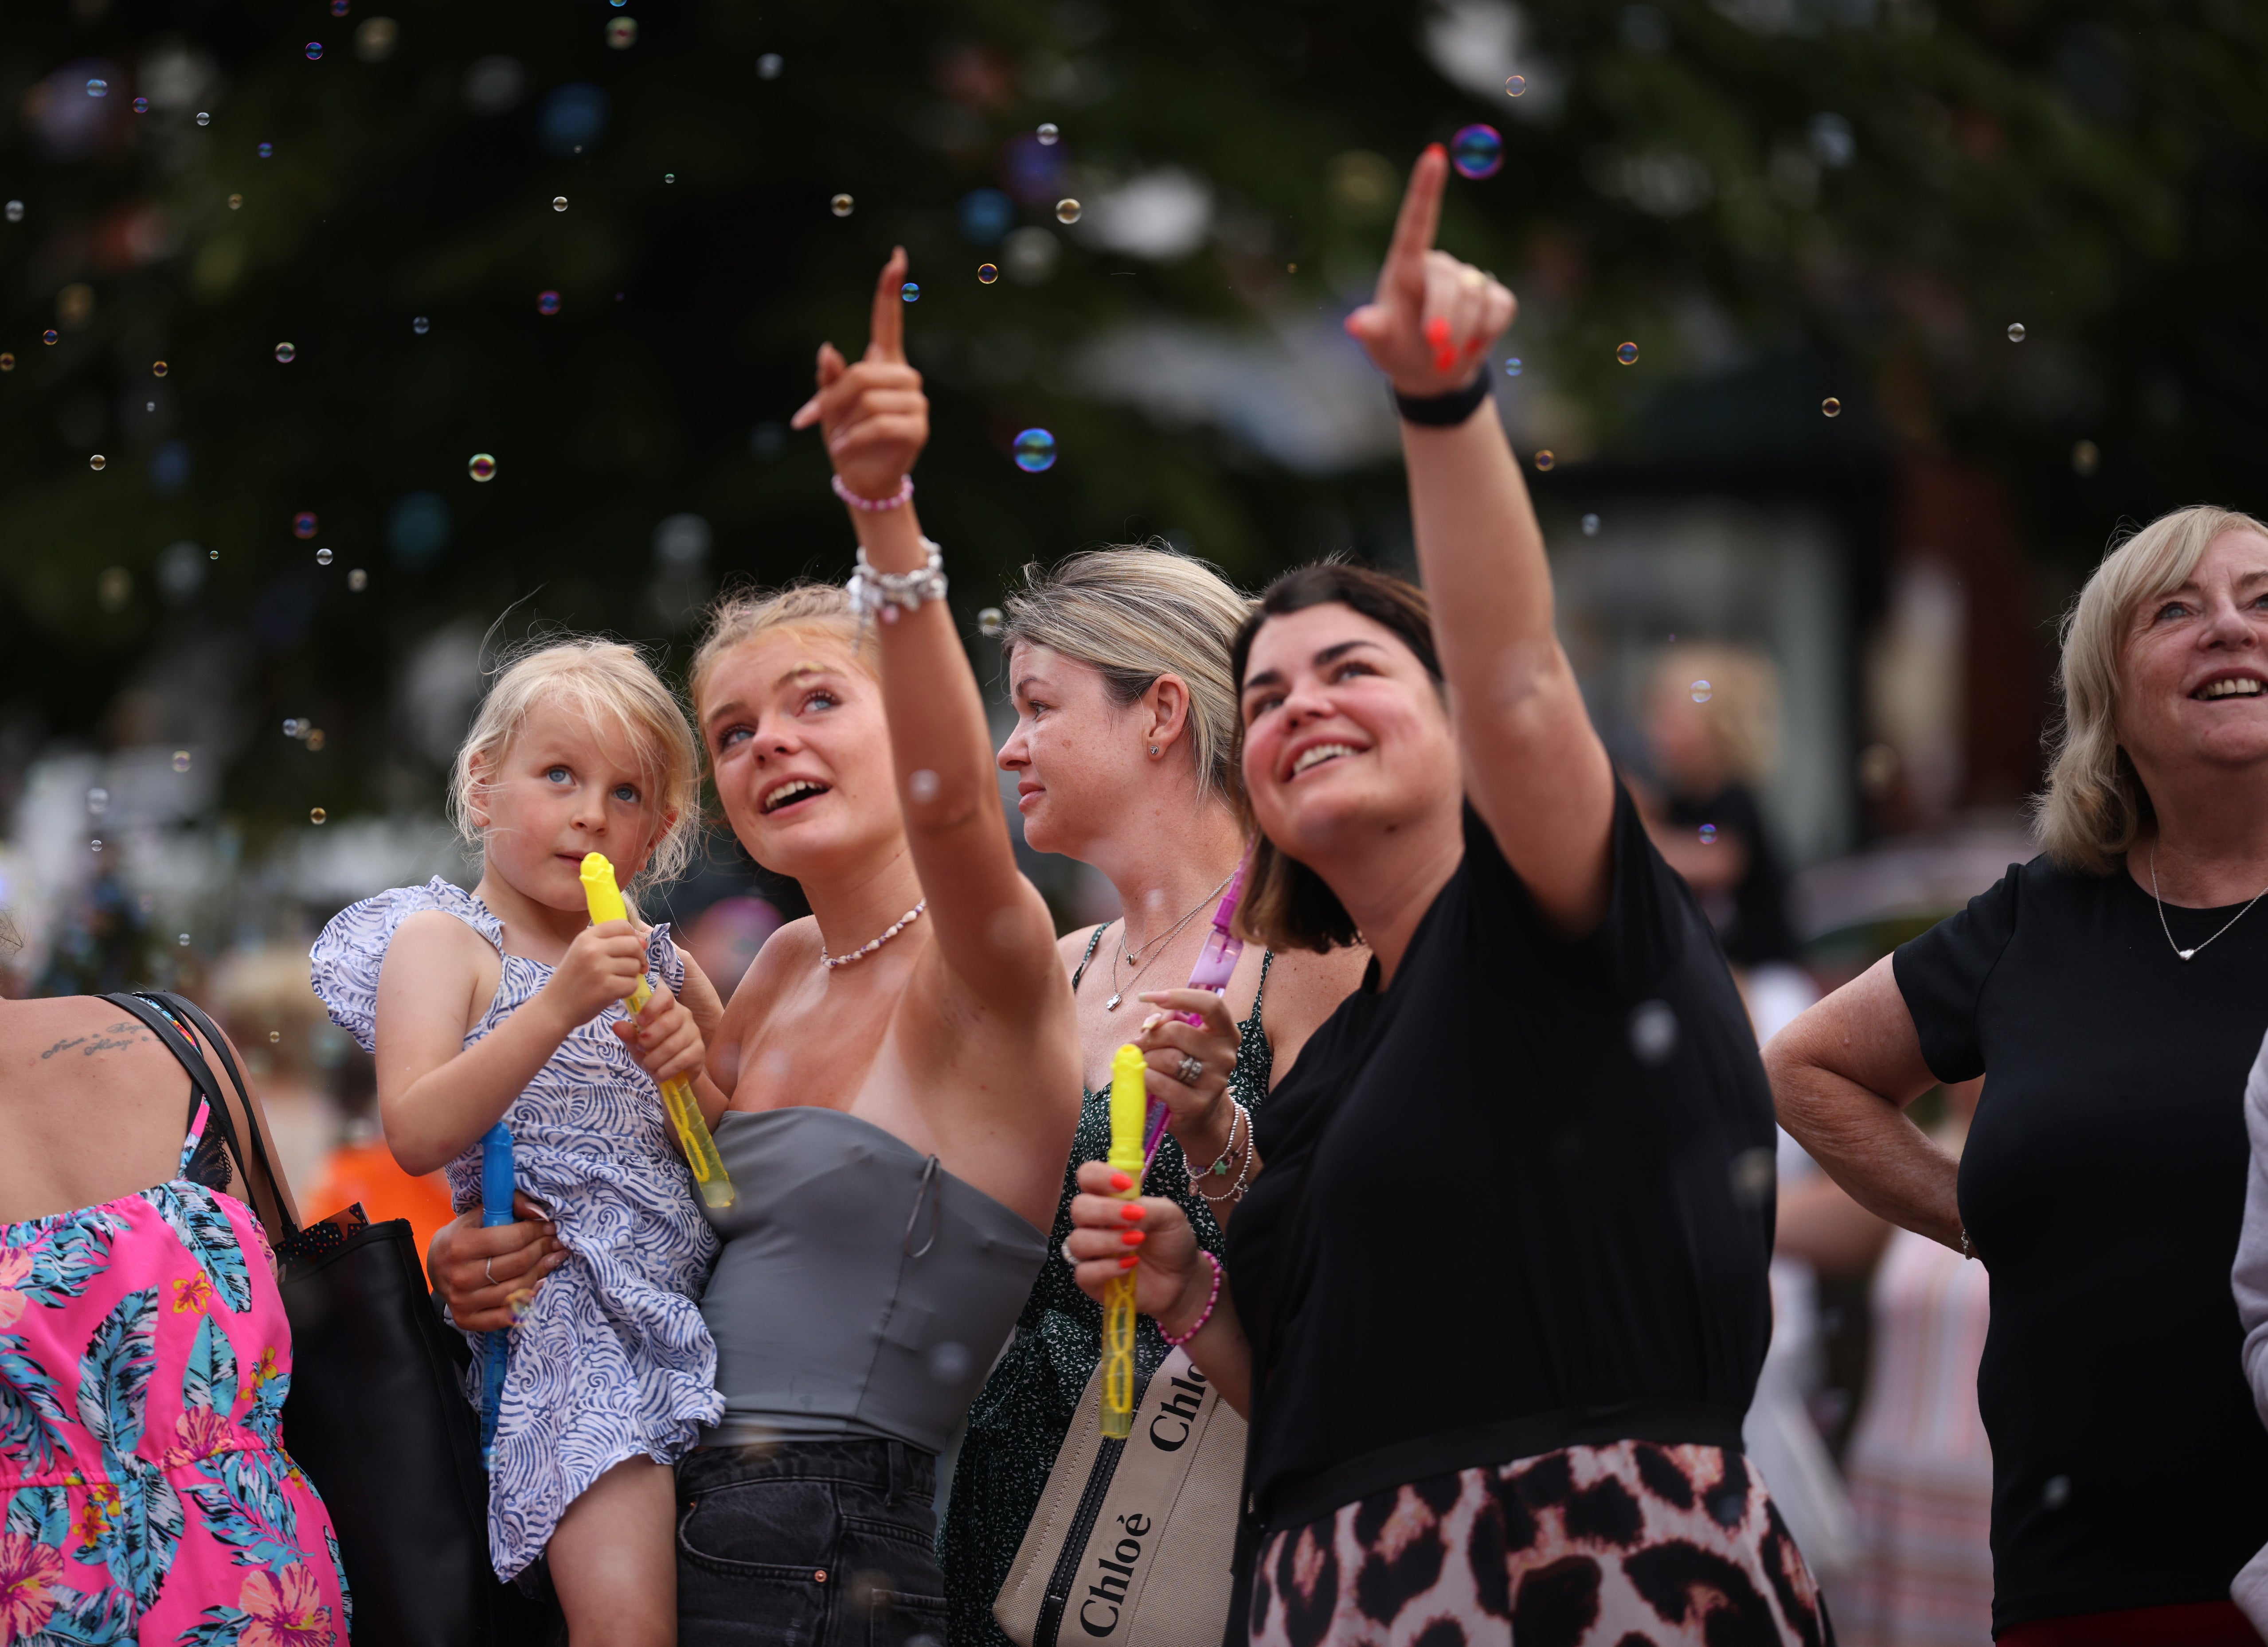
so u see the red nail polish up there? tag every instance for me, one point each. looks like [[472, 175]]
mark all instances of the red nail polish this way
[[1131, 1215], [1443, 359], [1437, 331], [1435, 148], [1132, 1238], [1119, 1180], [1128, 1262]]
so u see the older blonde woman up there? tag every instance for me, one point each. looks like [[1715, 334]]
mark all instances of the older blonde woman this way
[[2111, 987]]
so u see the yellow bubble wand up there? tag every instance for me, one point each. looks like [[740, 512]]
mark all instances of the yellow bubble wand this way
[[605, 902], [1129, 1100]]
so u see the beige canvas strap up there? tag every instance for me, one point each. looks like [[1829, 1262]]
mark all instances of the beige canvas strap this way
[[1150, 1524]]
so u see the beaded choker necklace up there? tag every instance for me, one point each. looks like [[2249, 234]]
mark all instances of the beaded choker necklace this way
[[873, 943]]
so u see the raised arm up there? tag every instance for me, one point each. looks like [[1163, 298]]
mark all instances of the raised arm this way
[[1533, 766], [992, 927], [1842, 1076]]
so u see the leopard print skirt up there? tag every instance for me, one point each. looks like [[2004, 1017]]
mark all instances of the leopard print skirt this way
[[1628, 1544]]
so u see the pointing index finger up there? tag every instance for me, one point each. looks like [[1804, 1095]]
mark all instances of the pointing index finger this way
[[887, 340], [1419, 218]]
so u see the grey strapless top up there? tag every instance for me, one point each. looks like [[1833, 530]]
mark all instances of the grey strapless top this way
[[863, 1289]]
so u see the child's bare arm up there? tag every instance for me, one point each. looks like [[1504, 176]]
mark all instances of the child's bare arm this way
[[436, 1096]]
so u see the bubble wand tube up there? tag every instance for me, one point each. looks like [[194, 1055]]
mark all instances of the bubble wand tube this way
[[606, 900], [1215, 966], [496, 1209], [1129, 1090]]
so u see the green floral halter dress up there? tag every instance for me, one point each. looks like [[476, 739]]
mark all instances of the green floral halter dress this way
[[1027, 1406]]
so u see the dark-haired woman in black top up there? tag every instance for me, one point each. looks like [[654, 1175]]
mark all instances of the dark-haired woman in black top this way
[[1495, 1307]]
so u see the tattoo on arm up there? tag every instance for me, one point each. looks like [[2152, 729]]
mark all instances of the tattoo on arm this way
[[115, 1037]]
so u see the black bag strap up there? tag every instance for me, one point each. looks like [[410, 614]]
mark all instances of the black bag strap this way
[[160, 1011]]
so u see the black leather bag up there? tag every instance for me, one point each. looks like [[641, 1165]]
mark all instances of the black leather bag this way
[[377, 1415]]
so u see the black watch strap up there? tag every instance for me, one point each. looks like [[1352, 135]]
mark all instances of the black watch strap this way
[[1444, 411]]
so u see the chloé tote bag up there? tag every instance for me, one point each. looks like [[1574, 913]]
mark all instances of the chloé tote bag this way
[[1132, 1542]]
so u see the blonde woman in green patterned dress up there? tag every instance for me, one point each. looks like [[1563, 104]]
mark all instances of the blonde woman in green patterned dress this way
[[1118, 669]]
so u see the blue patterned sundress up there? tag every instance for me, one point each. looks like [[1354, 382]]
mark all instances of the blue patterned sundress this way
[[612, 1362]]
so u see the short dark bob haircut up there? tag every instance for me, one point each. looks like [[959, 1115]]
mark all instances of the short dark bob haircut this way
[[1287, 904]]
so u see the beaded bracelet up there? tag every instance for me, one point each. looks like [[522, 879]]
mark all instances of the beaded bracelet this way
[[890, 592], [1197, 1326], [898, 499]]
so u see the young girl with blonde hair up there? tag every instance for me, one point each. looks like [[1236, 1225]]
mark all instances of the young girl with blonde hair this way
[[502, 1004]]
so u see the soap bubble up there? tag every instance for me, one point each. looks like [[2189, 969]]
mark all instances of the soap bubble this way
[[1708, 833], [97, 462], [95, 845], [7, 362], [1048, 133], [98, 88], [949, 1363], [2085, 456], [841, 205], [1067, 211], [181, 760], [622, 32], [236, 203], [769, 66], [1590, 525], [158, 367], [183, 940], [1701, 691], [988, 622], [317, 815], [1753, 1173], [1515, 85], [482, 467], [1627, 353], [547, 302], [910, 292], [357, 580], [114, 588], [98, 801], [1036, 451], [421, 325], [322, 557], [987, 273], [315, 50], [295, 727], [203, 119], [1513, 367], [286, 354], [1831, 407], [314, 737], [267, 150], [274, 1037], [2016, 335], [1544, 459], [923, 786], [15, 212], [338, 8], [2057, 1493], [141, 105], [1477, 151], [1653, 1031], [303, 524], [49, 336], [559, 203]]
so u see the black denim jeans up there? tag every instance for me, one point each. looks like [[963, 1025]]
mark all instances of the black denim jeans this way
[[808, 1544]]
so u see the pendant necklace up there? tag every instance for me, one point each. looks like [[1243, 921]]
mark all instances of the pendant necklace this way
[[1156, 946], [2190, 954]]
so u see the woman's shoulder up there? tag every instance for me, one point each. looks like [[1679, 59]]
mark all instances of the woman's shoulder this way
[[350, 952]]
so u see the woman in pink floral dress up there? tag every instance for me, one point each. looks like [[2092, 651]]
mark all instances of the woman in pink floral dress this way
[[145, 1357]]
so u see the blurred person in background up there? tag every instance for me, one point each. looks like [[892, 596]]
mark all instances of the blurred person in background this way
[[265, 1000], [1919, 1467], [363, 1170], [146, 1353], [1713, 727], [2110, 988]]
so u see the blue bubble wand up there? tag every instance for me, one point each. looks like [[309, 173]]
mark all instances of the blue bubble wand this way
[[496, 1209]]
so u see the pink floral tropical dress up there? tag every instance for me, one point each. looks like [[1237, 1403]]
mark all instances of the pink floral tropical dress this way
[[145, 1355]]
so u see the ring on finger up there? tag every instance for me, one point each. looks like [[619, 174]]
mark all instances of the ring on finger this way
[[1188, 1070], [487, 1268], [1067, 1257]]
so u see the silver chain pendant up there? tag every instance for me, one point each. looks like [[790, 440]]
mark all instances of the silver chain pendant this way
[[1111, 1006]]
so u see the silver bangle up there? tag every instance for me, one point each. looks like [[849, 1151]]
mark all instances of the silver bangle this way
[[890, 592]]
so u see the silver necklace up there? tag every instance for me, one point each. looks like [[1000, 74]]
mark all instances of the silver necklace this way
[[873, 944], [2190, 954], [1156, 946]]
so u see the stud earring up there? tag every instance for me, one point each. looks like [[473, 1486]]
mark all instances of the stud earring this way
[[1153, 752]]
